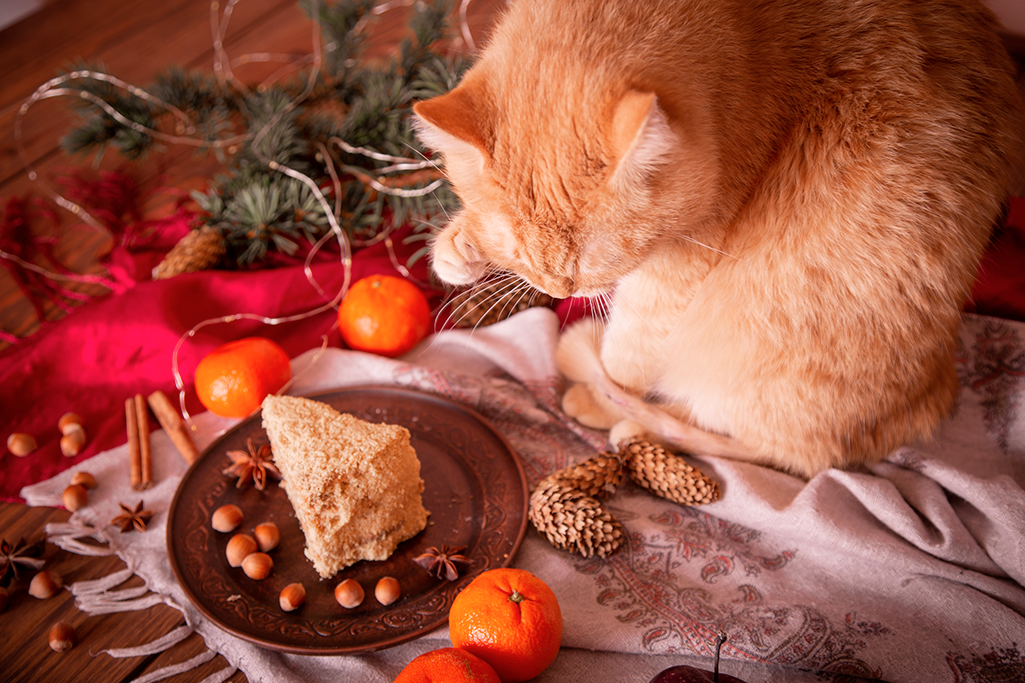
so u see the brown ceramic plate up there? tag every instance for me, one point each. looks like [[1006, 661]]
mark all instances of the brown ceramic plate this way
[[474, 488]]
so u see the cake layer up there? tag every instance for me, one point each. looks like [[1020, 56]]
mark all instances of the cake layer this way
[[355, 486]]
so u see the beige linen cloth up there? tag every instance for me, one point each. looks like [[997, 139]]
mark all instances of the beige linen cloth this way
[[910, 571]]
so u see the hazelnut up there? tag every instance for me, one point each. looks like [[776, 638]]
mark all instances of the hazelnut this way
[[226, 518], [267, 536], [45, 584], [292, 596], [21, 444], [75, 497], [349, 594], [84, 479], [257, 565], [3, 598], [73, 442], [239, 548], [69, 421], [62, 636], [387, 590]]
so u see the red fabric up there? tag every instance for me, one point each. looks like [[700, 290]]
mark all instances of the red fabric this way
[[117, 346], [1000, 287]]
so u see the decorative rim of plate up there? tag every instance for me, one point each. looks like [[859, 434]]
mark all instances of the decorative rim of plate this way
[[483, 455]]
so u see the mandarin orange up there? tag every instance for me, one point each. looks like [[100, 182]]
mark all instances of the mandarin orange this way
[[233, 379], [384, 314], [509, 618], [447, 665]]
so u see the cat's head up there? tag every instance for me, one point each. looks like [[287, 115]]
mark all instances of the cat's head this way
[[556, 188]]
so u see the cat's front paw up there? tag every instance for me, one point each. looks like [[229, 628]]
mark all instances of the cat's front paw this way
[[454, 260], [579, 403], [628, 430]]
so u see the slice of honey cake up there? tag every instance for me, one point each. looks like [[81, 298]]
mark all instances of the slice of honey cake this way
[[355, 486]]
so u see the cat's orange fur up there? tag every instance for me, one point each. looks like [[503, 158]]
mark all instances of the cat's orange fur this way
[[788, 198]]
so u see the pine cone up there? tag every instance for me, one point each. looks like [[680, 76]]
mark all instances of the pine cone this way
[[667, 475], [198, 250], [597, 477], [487, 304], [574, 521]]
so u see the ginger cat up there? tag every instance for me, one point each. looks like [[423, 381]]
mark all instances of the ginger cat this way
[[782, 202]]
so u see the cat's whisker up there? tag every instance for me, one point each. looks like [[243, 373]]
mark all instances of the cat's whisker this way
[[506, 282], [711, 248], [447, 301], [499, 296], [623, 300], [605, 308], [514, 298], [464, 295], [429, 223], [428, 160], [505, 295]]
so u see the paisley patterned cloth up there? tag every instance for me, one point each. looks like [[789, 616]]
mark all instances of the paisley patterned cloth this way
[[912, 570]]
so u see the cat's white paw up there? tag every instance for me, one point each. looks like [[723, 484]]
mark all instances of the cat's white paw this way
[[624, 430], [454, 260], [579, 403]]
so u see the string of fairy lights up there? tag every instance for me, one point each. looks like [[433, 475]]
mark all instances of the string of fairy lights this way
[[184, 134]]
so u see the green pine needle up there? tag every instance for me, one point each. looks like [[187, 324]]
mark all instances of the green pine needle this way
[[368, 105]]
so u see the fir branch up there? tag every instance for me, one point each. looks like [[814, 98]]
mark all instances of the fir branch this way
[[342, 44], [211, 106], [368, 106], [428, 27], [273, 132], [267, 211], [99, 129]]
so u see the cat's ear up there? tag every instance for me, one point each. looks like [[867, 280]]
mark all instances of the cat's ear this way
[[640, 137], [453, 124]]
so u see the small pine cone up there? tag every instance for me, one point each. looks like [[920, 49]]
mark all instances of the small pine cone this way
[[667, 475], [597, 477], [574, 521], [486, 304], [198, 250]]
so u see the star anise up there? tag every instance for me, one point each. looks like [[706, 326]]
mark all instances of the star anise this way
[[132, 519], [18, 555], [254, 465], [442, 563]]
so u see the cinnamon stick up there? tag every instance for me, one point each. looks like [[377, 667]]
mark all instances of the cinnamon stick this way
[[145, 453], [134, 453], [171, 421]]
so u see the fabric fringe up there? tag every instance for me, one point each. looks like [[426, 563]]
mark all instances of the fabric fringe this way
[[175, 669], [69, 536], [157, 646], [99, 585], [98, 596], [221, 676]]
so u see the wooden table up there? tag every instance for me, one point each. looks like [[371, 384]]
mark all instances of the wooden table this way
[[134, 41]]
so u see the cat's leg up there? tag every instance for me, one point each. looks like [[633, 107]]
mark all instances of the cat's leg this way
[[589, 400], [582, 340], [577, 356], [646, 311], [632, 343], [580, 403]]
